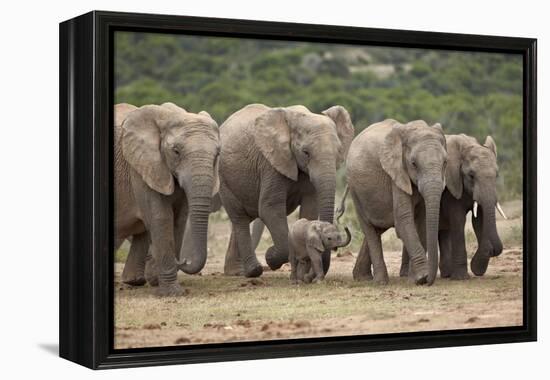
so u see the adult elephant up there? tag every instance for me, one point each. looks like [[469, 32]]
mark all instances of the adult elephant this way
[[165, 172], [272, 161], [395, 174], [471, 186]]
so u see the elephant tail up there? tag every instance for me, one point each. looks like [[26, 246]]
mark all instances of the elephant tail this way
[[342, 208]]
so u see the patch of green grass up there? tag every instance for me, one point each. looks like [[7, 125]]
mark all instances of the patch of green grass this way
[[121, 255]]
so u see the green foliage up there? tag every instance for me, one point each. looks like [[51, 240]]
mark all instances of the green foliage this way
[[475, 93]]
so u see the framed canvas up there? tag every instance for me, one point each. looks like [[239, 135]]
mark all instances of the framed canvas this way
[[234, 189]]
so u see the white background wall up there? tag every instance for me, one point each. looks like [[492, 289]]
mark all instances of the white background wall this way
[[29, 191]]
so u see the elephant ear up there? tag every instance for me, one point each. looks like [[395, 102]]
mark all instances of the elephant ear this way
[[121, 111], [272, 136], [453, 174], [141, 147], [391, 159], [490, 143], [313, 238], [172, 107], [344, 127], [204, 113]]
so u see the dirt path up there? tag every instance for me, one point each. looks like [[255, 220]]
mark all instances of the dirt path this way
[[225, 309]]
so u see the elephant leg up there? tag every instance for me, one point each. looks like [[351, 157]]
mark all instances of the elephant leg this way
[[182, 238], [405, 262], [240, 257], [273, 214], [362, 269], [420, 225], [233, 265], [251, 265], [163, 252], [159, 221], [257, 231], [277, 254], [458, 247], [293, 264], [445, 253], [406, 230], [151, 269], [363, 266], [307, 273], [134, 268], [317, 267], [374, 242]]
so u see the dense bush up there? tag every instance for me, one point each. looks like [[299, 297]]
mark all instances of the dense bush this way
[[475, 93]]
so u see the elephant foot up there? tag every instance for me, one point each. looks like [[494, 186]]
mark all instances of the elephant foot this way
[[153, 280], [479, 264], [253, 269], [170, 290], [381, 279], [233, 266], [446, 269], [273, 259], [444, 273], [133, 276], [233, 271], [363, 275], [418, 276], [421, 279], [151, 271], [134, 281]]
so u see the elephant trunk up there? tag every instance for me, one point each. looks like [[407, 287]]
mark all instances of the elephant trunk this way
[[325, 186], [199, 195], [432, 199], [348, 237], [490, 244]]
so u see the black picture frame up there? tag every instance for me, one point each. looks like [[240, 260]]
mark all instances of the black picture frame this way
[[86, 183]]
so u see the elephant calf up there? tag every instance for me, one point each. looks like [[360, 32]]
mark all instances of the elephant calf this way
[[307, 240]]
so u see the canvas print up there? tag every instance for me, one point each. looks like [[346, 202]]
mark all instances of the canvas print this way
[[272, 189]]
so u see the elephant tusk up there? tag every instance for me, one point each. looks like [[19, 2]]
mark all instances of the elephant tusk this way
[[501, 211], [475, 209], [183, 262]]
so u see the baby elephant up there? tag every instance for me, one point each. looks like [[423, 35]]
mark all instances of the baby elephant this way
[[307, 240]]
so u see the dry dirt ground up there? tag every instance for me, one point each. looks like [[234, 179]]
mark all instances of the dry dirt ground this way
[[218, 308]]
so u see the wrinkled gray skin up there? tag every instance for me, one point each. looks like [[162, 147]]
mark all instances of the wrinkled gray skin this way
[[395, 175], [272, 161], [165, 173], [307, 241], [471, 176]]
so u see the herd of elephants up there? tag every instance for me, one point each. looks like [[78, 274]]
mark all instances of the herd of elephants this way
[[173, 168]]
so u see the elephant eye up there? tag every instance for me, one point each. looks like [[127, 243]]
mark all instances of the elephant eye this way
[[471, 175], [176, 151], [413, 163], [306, 152]]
